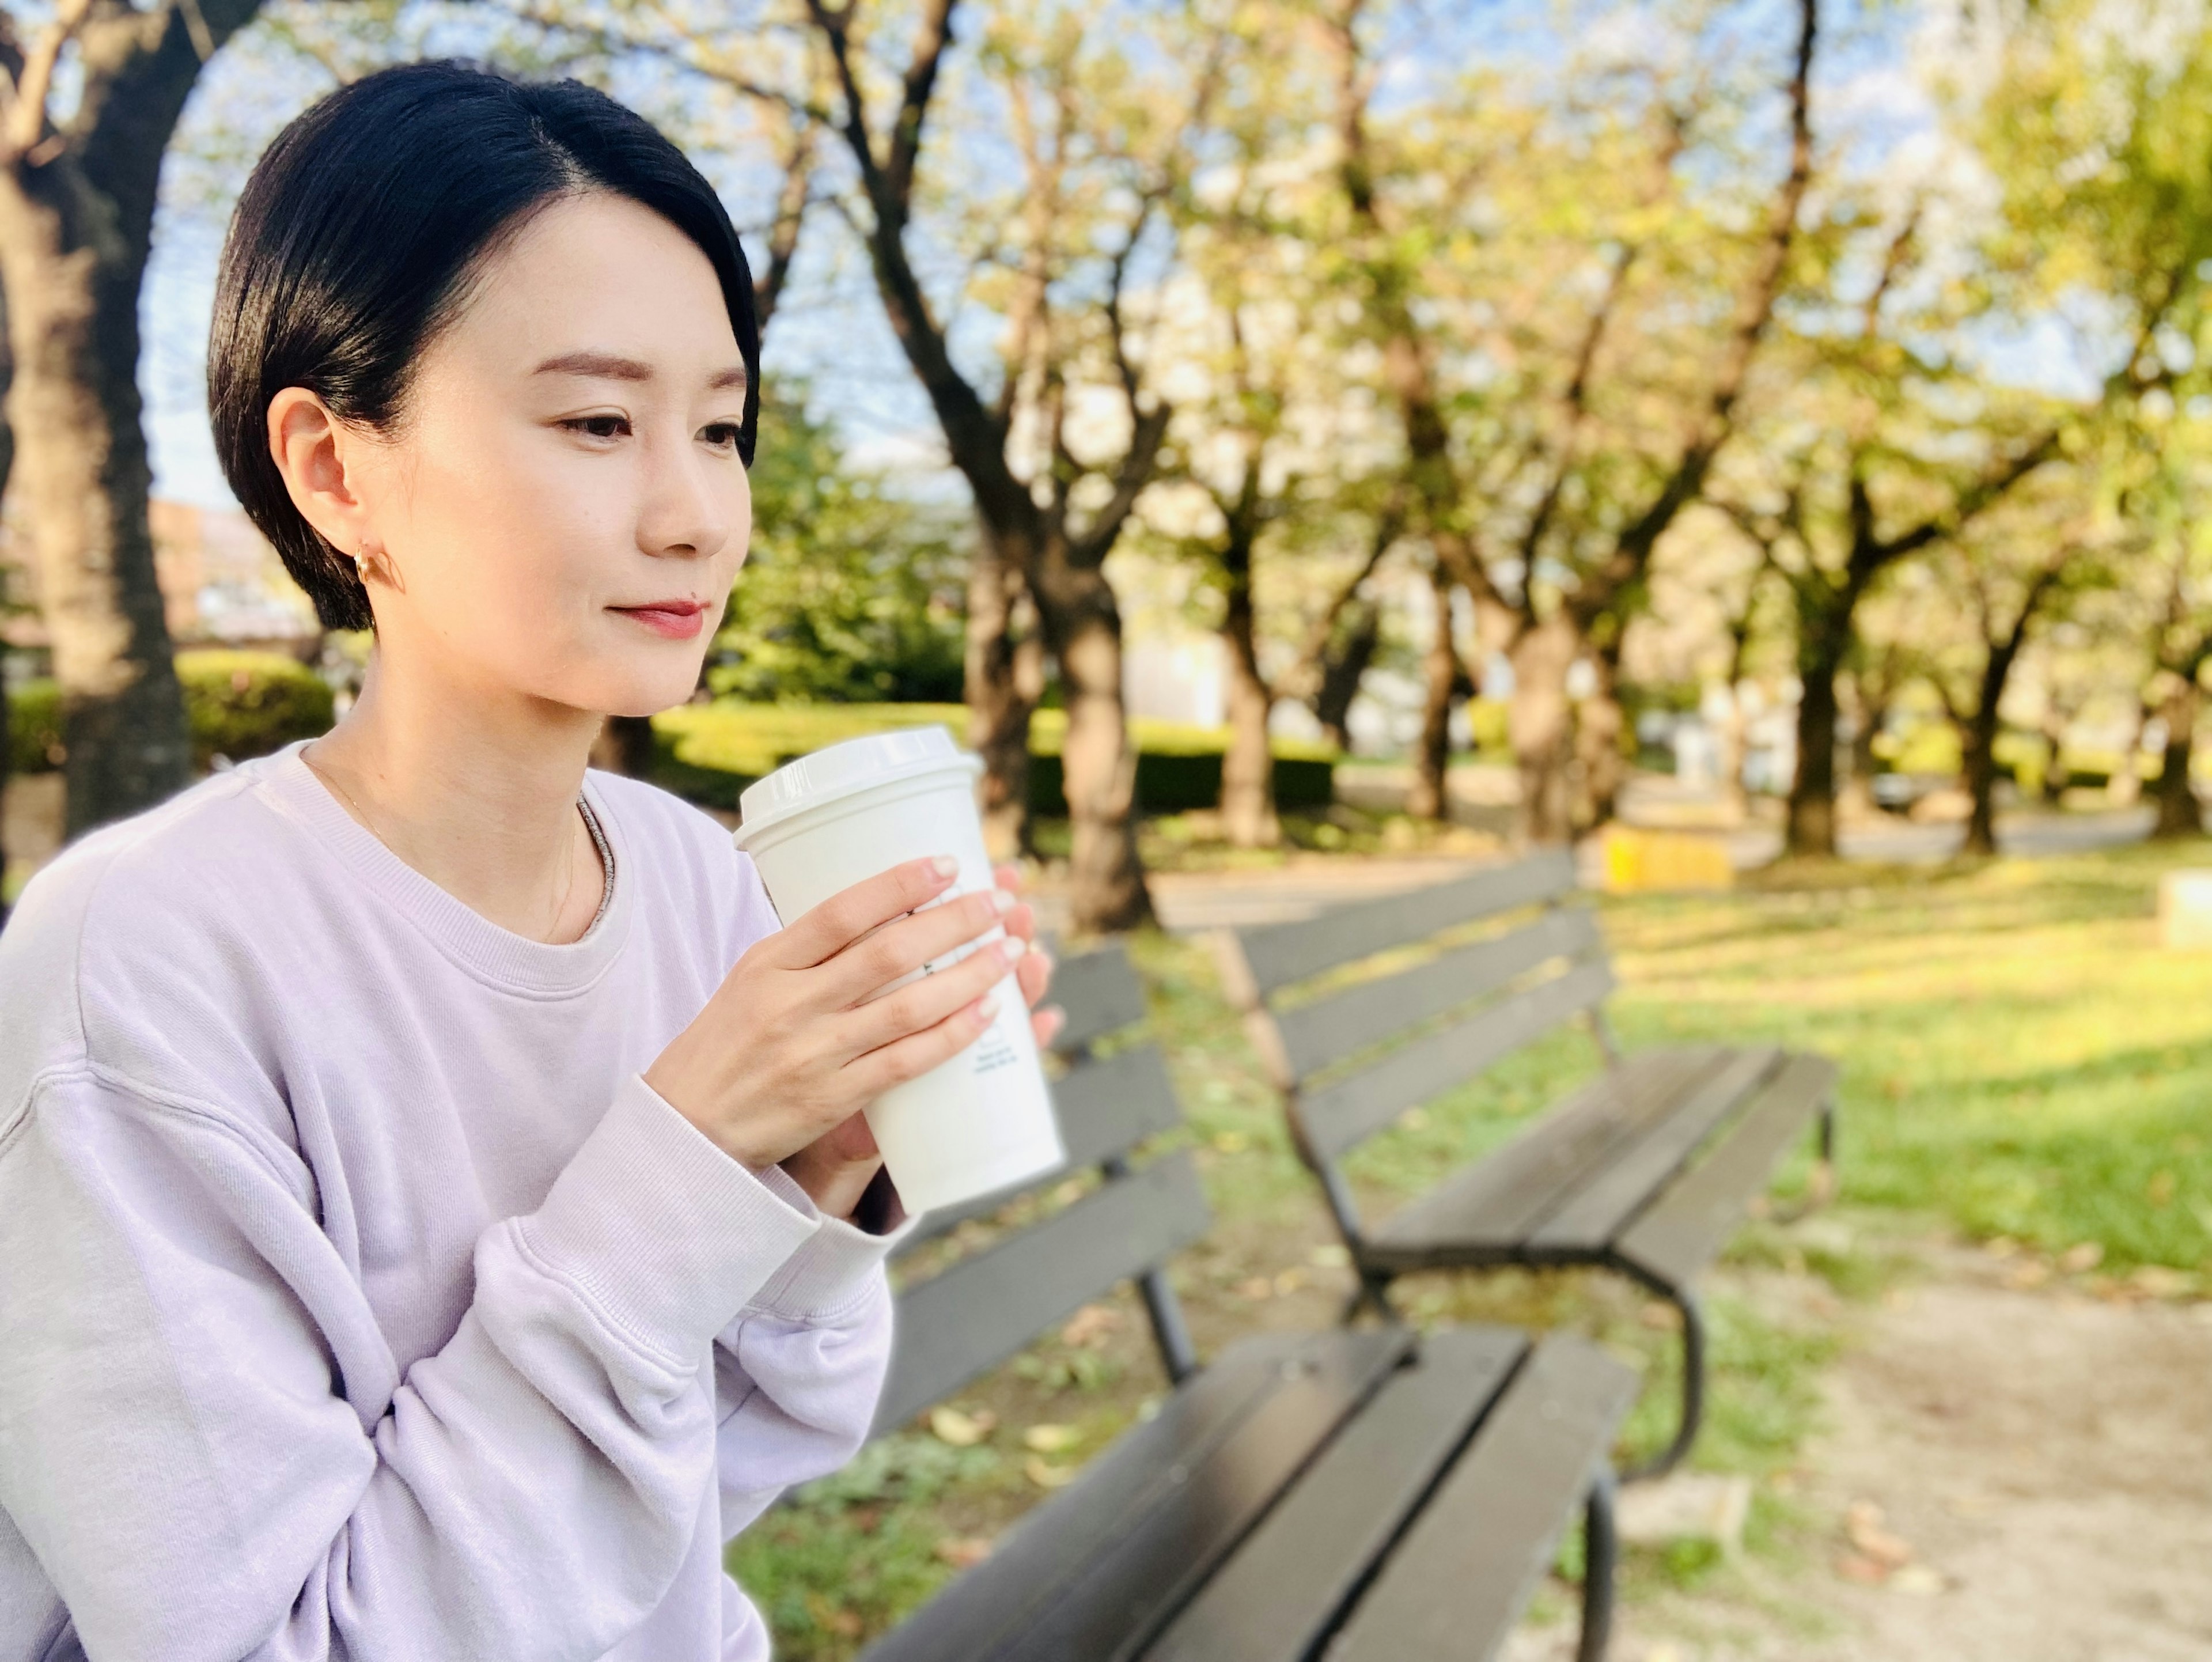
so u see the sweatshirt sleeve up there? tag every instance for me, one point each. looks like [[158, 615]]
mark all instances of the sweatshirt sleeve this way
[[188, 1447], [799, 1371]]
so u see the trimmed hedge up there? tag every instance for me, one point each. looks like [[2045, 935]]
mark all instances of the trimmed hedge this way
[[237, 704], [710, 752]]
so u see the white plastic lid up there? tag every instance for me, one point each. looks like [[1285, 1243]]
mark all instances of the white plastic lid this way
[[846, 769]]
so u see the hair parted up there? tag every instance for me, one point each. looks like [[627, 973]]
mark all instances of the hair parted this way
[[357, 235]]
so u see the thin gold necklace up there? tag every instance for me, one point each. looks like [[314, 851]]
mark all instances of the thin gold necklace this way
[[559, 910]]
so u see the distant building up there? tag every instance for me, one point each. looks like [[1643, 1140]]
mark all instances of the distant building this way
[[221, 584]]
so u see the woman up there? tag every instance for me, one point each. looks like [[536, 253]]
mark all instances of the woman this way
[[433, 1213]]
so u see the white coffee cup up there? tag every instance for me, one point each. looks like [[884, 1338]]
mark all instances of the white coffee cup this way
[[982, 1120]]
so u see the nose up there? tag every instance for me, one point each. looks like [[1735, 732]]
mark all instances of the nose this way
[[687, 510]]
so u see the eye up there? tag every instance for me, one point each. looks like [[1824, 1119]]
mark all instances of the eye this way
[[598, 427], [721, 434]]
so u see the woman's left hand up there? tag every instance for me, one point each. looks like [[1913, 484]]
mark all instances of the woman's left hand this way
[[836, 1168]]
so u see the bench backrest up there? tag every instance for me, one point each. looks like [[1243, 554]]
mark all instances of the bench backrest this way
[[985, 1307], [1353, 1059]]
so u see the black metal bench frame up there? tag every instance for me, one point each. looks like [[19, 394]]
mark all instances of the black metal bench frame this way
[[1388, 1496], [1642, 1173]]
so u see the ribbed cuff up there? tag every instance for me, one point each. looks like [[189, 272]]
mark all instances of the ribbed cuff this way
[[667, 1236], [828, 1274]]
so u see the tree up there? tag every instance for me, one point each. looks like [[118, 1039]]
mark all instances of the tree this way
[[850, 592], [2003, 587], [1097, 149], [1550, 517], [77, 218]]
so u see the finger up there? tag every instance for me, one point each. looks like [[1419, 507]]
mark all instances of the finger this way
[[1008, 877], [1033, 971], [879, 1069], [867, 967], [1047, 1023], [924, 1003], [847, 915], [1022, 920]]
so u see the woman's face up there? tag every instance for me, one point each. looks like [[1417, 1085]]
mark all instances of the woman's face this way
[[561, 509]]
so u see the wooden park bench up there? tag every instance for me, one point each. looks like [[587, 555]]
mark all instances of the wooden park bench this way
[[1643, 1171], [1392, 1497]]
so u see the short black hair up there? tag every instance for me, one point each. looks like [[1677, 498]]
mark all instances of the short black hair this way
[[357, 237]]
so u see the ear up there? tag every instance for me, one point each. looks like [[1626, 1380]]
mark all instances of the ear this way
[[322, 460]]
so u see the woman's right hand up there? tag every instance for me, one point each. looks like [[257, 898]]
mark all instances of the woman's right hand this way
[[794, 1041]]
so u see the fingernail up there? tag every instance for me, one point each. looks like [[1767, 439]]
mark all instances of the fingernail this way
[[987, 1008], [944, 866], [1011, 948], [1002, 902]]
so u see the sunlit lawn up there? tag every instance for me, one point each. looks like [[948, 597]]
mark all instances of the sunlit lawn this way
[[2019, 1056]]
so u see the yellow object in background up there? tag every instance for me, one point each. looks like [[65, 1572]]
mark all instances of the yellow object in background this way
[[1647, 862]]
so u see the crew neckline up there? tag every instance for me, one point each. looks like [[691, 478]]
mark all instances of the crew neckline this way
[[493, 954]]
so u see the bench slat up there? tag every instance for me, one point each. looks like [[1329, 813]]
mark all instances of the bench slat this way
[[1463, 1572], [983, 1310], [1288, 1584], [1679, 1235], [1073, 1584], [1279, 954], [1601, 1206], [1067, 1531], [1494, 1201], [1330, 1029], [1100, 991], [1345, 1114]]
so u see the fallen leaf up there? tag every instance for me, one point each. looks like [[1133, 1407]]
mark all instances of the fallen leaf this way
[[1230, 1142], [1045, 1475], [1051, 1440], [1863, 1525], [1086, 1330], [1289, 1282], [1258, 1287], [2082, 1257], [1852, 1568], [1919, 1580], [1331, 1255], [1660, 1315], [2028, 1274], [949, 1425], [2001, 1246], [1414, 1119], [963, 1551], [2159, 1283]]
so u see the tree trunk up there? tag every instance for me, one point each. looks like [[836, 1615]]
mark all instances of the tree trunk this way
[[1248, 769], [82, 475], [999, 702], [76, 220], [1427, 797], [1343, 670], [6, 460], [1599, 726], [1539, 727], [1098, 766], [1980, 766], [2180, 814], [1824, 639]]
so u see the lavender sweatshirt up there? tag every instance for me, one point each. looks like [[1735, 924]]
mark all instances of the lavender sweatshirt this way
[[357, 1298]]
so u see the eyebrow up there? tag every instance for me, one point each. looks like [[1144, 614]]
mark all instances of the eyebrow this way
[[605, 365]]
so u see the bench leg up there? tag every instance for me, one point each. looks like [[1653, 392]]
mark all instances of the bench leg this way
[[1601, 1559], [1820, 1187], [1373, 1292], [1693, 1388]]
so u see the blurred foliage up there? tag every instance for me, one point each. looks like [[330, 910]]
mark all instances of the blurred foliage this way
[[851, 592], [237, 704]]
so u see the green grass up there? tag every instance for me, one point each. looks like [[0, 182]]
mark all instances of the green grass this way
[[2020, 1058]]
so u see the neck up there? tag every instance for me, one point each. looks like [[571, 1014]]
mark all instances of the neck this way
[[476, 792]]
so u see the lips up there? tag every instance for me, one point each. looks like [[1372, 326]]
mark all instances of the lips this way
[[678, 620]]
